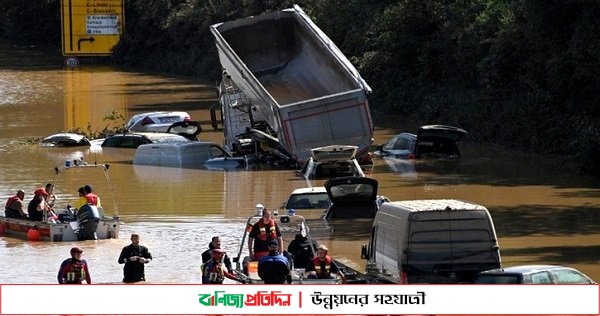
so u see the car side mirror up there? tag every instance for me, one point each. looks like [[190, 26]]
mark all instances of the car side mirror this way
[[364, 252]]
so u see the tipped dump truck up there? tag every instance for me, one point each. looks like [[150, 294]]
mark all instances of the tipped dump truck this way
[[287, 86]]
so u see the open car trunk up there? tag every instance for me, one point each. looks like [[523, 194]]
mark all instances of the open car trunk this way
[[352, 197], [438, 141]]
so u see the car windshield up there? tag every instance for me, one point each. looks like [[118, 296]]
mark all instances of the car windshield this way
[[497, 279], [568, 276], [352, 191], [335, 169], [216, 152], [400, 142], [308, 200]]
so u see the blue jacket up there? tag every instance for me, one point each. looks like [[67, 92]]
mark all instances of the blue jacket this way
[[274, 269]]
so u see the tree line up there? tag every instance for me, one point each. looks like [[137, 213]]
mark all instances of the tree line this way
[[521, 74]]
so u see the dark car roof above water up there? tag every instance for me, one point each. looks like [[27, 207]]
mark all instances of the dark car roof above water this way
[[441, 131]]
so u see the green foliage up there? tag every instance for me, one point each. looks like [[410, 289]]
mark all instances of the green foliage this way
[[35, 23], [115, 125]]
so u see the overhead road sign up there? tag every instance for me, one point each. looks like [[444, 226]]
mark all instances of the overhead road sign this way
[[91, 27]]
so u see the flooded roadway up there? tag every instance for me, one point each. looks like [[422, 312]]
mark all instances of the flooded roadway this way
[[543, 214]]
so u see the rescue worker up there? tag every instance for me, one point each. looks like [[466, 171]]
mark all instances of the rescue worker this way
[[14, 206], [38, 205], [91, 197], [215, 243], [74, 270], [135, 257], [261, 233], [51, 198], [213, 271], [302, 250], [322, 266], [274, 268], [81, 200]]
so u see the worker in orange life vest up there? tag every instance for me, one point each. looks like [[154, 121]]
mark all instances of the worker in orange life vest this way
[[322, 266], [214, 272], [74, 270], [91, 197], [14, 206], [261, 233]]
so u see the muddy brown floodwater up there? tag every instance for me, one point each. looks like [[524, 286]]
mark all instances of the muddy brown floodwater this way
[[542, 212]]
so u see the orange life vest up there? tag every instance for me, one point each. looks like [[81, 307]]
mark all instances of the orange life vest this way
[[74, 272], [263, 231], [11, 200], [212, 273], [322, 273], [91, 198]]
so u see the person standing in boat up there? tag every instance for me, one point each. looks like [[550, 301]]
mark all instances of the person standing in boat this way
[[135, 257], [38, 205], [215, 243], [50, 198], [261, 233], [91, 197], [14, 206], [74, 270], [213, 271]]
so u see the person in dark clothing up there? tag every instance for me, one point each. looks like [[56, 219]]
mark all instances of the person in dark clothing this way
[[215, 243], [74, 270], [135, 257], [38, 205], [274, 268], [302, 250]]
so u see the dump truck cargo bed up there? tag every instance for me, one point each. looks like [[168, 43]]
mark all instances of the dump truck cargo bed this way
[[297, 79]]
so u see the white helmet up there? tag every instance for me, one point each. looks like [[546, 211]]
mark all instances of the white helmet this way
[[259, 208]]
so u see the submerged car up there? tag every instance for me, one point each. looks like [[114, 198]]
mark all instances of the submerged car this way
[[533, 274], [135, 140], [158, 121], [331, 162], [65, 140], [190, 154], [352, 198], [431, 141], [308, 201], [180, 132]]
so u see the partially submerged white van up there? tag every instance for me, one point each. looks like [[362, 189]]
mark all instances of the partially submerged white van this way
[[192, 154], [431, 241]]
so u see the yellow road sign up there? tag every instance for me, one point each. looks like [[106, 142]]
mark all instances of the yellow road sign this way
[[91, 27]]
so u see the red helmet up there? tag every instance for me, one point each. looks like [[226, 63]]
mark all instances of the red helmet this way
[[217, 253]]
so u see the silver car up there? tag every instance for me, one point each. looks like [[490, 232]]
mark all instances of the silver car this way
[[158, 121], [330, 162], [533, 274]]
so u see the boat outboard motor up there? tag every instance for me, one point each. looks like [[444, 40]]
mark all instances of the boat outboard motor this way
[[88, 218]]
